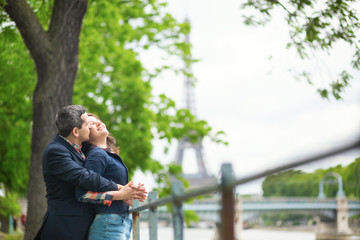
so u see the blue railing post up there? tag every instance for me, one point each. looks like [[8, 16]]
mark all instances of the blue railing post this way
[[178, 217], [136, 221], [227, 231], [153, 218]]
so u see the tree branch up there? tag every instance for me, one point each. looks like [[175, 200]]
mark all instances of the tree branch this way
[[64, 34], [277, 2], [66, 20], [30, 28]]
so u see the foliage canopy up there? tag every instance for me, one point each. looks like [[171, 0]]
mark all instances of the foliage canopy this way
[[315, 26]]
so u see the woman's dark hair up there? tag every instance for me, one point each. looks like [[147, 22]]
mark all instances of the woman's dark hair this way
[[111, 143]]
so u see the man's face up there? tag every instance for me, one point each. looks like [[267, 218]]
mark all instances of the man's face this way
[[84, 131]]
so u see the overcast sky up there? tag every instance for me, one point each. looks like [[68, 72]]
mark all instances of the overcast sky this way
[[246, 87]]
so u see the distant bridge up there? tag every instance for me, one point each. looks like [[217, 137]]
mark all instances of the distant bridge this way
[[208, 209]]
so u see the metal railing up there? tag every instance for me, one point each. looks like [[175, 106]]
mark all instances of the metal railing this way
[[226, 187]]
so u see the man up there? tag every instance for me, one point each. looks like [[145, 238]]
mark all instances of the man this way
[[63, 171]]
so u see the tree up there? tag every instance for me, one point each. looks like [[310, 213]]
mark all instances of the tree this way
[[294, 183], [55, 54], [111, 74], [111, 81], [352, 179], [315, 26], [291, 183]]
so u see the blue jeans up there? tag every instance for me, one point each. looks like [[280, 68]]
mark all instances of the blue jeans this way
[[111, 226]]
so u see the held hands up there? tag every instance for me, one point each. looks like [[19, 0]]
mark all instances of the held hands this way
[[130, 192], [141, 192]]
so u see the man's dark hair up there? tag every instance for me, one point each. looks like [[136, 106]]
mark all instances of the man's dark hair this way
[[69, 117]]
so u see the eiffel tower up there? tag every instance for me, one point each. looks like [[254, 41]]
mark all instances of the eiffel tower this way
[[202, 176]]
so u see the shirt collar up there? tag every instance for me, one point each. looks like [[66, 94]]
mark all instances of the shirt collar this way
[[77, 147]]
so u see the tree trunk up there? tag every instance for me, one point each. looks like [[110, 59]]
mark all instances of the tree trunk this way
[[5, 224], [55, 54]]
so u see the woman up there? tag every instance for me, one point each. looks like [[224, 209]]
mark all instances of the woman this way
[[111, 222]]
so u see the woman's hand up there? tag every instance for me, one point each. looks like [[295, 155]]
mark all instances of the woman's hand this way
[[139, 187], [130, 192]]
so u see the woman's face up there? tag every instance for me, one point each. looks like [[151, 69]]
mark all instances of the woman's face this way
[[97, 129]]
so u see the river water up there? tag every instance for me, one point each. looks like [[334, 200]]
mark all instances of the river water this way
[[166, 233]]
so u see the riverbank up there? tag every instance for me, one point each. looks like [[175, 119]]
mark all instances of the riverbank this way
[[288, 229], [165, 233], [356, 231]]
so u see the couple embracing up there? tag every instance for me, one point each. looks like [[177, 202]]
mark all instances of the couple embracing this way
[[88, 191]]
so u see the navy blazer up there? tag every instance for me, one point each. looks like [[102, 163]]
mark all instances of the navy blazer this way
[[63, 171]]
